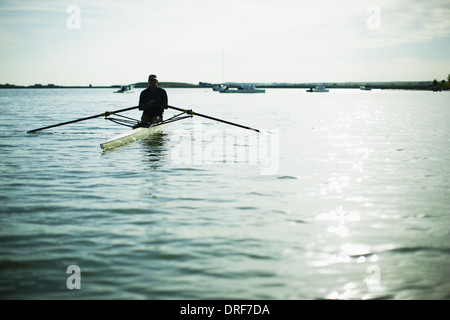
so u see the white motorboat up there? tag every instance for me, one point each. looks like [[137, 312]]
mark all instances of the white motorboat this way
[[242, 88], [318, 89], [125, 89]]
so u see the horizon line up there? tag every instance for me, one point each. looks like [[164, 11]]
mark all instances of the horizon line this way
[[200, 83]]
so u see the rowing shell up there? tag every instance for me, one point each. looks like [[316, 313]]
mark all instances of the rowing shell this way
[[139, 132], [130, 136]]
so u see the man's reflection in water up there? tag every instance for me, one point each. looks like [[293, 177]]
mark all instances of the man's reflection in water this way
[[155, 146]]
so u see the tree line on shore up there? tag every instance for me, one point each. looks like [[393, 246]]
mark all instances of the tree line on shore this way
[[434, 85]]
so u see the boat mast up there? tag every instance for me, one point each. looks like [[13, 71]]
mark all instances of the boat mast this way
[[223, 66]]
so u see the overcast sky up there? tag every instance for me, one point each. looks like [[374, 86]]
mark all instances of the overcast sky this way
[[81, 42]]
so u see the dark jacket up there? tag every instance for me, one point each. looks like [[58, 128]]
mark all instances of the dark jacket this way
[[159, 95]]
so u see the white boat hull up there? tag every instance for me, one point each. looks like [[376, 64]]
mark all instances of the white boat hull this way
[[130, 136], [318, 89], [240, 88], [243, 91]]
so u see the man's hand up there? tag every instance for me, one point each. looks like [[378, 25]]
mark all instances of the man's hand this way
[[147, 105], [151, 104]]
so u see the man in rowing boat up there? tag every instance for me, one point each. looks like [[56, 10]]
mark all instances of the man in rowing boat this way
[[153, 101]]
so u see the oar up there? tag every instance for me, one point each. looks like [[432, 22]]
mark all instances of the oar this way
[[192, 113], [106, 113]]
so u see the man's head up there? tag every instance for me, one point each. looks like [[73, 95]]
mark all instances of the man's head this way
[[152, 81]]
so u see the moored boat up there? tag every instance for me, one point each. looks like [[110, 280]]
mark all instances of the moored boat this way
[[243, 88], [219, 87], [125, 89], [318, 89]]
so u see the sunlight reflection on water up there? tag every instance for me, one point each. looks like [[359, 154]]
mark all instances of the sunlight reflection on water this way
[[356, 206]]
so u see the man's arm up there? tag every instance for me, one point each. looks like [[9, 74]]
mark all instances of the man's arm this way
[[166, 100], [141, 101]]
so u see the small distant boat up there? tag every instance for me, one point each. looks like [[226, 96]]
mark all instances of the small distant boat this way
[[366, 88], [242, 88], [218, 87], [318, 89], [125, 89]]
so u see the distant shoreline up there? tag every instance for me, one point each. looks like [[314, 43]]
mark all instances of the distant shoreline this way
[[395, 85], [136, 85]]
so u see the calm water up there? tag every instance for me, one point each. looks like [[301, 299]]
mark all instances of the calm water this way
[[345, 198]]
